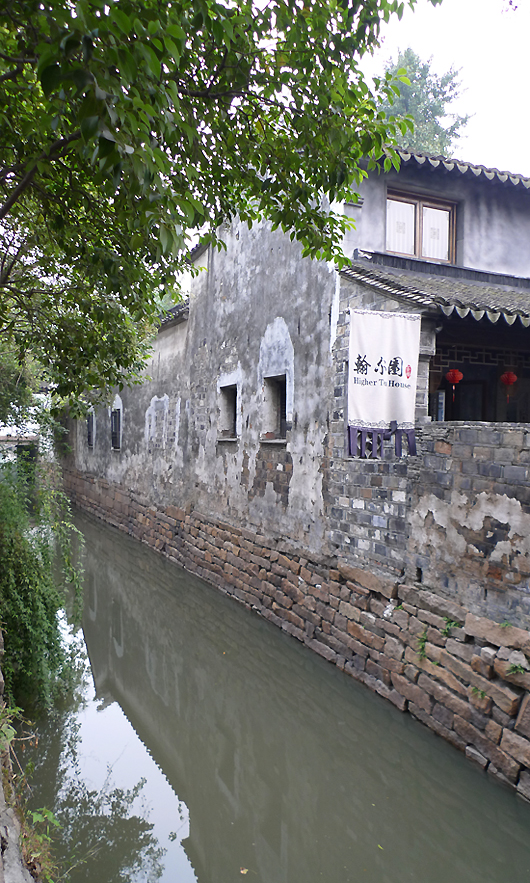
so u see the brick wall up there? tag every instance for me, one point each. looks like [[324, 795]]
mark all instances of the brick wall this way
[[464, 676]]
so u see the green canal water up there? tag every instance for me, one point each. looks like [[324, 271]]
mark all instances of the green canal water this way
[[205, 745]]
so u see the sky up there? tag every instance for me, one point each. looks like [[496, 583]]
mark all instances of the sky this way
[[489, 43]]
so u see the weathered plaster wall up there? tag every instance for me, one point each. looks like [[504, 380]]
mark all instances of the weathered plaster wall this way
[[493, 221], [257, 311]]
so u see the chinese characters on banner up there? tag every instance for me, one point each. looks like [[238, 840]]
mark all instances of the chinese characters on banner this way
[[383, 368]]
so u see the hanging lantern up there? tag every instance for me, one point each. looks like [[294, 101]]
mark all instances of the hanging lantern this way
[[508, 379], [454, 376]]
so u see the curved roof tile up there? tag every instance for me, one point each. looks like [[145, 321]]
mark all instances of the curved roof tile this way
[[445, 292], [453, 165]]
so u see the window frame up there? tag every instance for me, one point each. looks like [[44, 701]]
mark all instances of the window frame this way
[[115, 430], [421, 201], [228, 406], [91, 429]]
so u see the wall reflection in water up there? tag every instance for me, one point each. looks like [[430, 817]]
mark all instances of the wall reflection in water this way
[[288, 768]]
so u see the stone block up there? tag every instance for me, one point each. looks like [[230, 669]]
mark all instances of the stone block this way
[[464, 651], [488, 654], [482, 667], [435, 637], [364, 636], [443, 715], [372, 668], [517, 658], [372, 623], [390, 628], [481, 702], [494, 633], [441, 606], [412, 692], [398, 700], [415, 626], [476, 757], [516, 746], [401, 618], [504, 762], [493, 731], [522, 724], [362, 577], [394, 648], [349, 611], [322, 649], [411, 673], [503, 668], [523, 785], [515, 473], [432, 619]]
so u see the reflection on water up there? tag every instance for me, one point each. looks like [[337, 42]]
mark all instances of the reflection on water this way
[[256, 754]]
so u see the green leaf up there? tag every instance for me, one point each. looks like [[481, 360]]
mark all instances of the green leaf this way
[[106, 147], [82, 79], [50, 78], [89, 127], [122, 20]]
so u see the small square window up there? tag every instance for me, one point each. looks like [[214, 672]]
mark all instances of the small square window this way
[[227, 425], [420, 227], [115, 429], [274, 411]]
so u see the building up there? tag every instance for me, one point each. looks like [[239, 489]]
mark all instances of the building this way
[[300, 441]]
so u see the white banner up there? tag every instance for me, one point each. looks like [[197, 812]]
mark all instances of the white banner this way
[[383, 369]]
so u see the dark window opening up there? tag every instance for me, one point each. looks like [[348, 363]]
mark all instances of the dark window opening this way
[[228, 412], [486, 355], [115, 429], [90, 430], [275, 407]]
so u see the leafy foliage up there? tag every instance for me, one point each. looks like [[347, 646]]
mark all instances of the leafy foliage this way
[[17, 384], [124, 126], [425, 98], [30, 585]]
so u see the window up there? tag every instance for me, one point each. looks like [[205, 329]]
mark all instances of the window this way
[[274, 412], [90, 429], [115, 429], [420, 227], [228, 411]]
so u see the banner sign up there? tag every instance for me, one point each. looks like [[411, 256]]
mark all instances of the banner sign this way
[[383, 370]]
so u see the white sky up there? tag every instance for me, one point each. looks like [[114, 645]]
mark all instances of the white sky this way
[[490, 44]]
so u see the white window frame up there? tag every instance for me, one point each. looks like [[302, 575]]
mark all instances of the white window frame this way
[[421, 202]]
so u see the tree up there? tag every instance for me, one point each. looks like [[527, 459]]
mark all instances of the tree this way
[[425, 98], [126, 125]]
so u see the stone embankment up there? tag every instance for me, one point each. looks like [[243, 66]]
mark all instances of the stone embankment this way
[[465, 677]]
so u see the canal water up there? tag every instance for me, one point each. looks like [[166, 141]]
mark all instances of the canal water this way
[[205, 745]]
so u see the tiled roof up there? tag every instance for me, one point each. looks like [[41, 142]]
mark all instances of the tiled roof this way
[[176, 314], [464, 168], [446, 292]]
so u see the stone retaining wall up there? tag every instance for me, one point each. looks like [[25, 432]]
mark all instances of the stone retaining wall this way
[[464, 676]]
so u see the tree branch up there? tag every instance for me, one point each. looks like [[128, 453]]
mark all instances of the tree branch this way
[[57, 150], [13, 74]]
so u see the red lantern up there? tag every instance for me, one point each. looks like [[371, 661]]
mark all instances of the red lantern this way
[[508, 379], [454, 376]]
